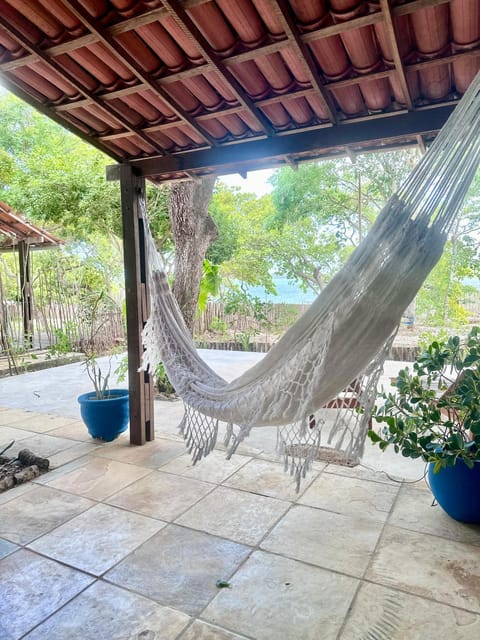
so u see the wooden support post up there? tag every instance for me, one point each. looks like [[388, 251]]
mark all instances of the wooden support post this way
[[132, 190], [26, 289]]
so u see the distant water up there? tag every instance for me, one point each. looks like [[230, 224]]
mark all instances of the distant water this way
[[287, 292]]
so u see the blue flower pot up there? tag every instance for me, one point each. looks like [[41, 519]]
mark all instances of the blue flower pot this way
[[105, 419], [457, 491]]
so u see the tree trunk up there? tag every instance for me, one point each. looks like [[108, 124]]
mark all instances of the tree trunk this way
[[193, 232]]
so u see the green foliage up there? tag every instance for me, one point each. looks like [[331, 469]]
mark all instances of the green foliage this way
[[63, 343], [440, 301], [218, 326], [241, 304], [311, 191], [247, 250], [435, 412], [225, 205], [426, 338], [56, 179], [6, 168], [158, 220], [209, 284], [121, 371], [323, 210], [162, 381], [307, 254]]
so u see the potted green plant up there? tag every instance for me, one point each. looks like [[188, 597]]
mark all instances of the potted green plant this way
[[104, 411], [434, 414]]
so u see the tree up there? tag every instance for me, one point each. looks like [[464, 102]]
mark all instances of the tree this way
[[55, 178], [441, 300], [323, 210], [193, 231], [251, 262], [224, 209]]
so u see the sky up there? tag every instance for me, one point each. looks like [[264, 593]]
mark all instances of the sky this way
[[256, 181]]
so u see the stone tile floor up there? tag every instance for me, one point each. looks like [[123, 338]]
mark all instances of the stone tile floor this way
[[119, 542]]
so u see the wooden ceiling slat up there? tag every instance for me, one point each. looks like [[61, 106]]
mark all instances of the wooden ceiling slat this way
[[368, 20], [336, 84], [397, 59], [417, 5], [447, 59]]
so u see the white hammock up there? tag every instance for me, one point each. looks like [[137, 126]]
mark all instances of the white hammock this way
[[349, 323]]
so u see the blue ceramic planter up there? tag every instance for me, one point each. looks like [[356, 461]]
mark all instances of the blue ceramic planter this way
[[457, 491], [105, 419]]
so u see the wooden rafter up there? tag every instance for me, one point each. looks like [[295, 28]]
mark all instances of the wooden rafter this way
[[286, 20], [397, 60], [108, 41], [335, 84], [288, 38], [421, 144], [157, 14], [179, 14]]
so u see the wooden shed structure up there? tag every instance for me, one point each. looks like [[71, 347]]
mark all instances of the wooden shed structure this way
[[16, 234], [177, 89]]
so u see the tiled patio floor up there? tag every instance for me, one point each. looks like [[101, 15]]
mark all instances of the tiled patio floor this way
[[127, 543]]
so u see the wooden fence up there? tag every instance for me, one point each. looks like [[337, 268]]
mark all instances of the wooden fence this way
[[54, 324], [278, 316]]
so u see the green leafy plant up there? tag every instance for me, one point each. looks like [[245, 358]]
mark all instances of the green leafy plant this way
[[434, 414], [218, 326], [162, 381], [62, 344], [247, 309]]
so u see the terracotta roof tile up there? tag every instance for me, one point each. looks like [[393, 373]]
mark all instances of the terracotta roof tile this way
[[14, 228], [43, 87], [243, 17]]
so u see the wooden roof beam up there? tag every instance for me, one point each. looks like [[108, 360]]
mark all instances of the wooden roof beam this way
[[336, 84], [108, 41], [291, 162], [369, 19], [397, 60], [421, 144], [178, 13], [250, 153], [285, 17]]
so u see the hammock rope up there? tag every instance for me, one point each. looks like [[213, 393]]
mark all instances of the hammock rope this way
[[353, 319]]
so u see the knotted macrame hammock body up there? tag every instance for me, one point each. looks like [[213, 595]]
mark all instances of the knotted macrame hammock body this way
[[346, 332]]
